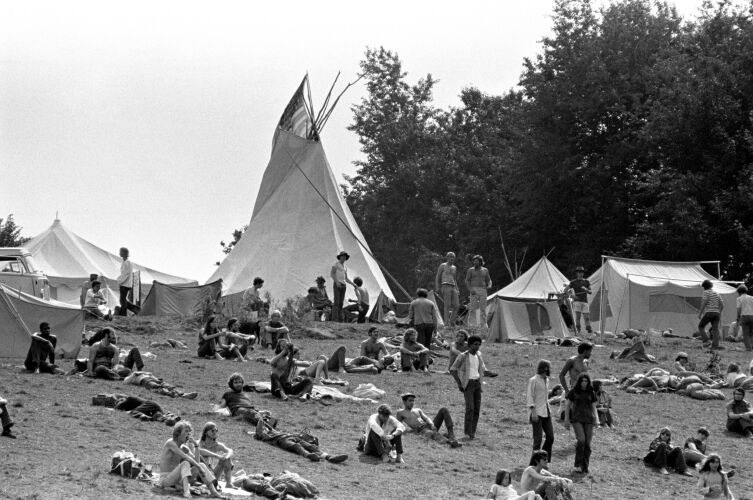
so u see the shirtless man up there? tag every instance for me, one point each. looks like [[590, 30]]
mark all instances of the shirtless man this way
[[576, 365], [180, 462], [418, 421], [446, 282], [42, 350], [413, 355], [478, 281], [213, 449], [283, 371]]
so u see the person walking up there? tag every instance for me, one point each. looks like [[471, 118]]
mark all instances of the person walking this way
[[446, 283], [581, 413], [467, 371], [340, 281], [478, 281], [745, 316], [540, 416], [125, 284], [710, 313], [581, 289]]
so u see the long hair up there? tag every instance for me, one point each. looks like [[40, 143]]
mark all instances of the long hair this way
[[577, 387], [501, 476], [208, 324], [704, 467], [543, 363], [207, 427]]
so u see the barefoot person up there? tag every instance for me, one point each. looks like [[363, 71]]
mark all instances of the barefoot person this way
[[211, 449], [418, 421], [539, 413], [103, 357], [340, 281], [446, 282], [240, 405], [41, 355], [478, 281], [413, 355], [467, 371], [712, 481], [284, 372], [536, 478], [180, 462]]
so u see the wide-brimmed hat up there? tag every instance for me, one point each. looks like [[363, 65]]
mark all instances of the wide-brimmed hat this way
[[580, 269], [681, 355], [346, 254], [407, 395]]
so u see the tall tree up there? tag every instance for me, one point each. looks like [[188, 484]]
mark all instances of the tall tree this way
[[10, 233]]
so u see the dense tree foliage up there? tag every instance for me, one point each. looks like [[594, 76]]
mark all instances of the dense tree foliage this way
[[629, 134], [10, 233]]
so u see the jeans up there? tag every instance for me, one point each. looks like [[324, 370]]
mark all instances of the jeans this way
[[302, 387], [692, 457], [543, 425], [125, 304], [339, 298], [337, 360], [665, 456], [134, 359], [5, 417], [443, 417], [425, 333], [713, 318], [478, 301], [472, 395], [740, 425], [746, 323], [583, 435], [377, 447]]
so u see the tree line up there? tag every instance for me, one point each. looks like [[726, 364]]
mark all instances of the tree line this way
[[629, 134]]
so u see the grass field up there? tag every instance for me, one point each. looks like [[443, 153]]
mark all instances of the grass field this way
[[65, 444]]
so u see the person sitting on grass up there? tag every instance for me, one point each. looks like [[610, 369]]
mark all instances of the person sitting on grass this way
[[681, 365], [537, 479], [662, 454], [383, 433], [96, 303], [283, 375], [603, 405], [103, 357], [209, 341], [412, 354], [502, 489], [295, 444], [740, 414], [712, 481], [213, 449], [275, 329], [733, 378], [41, 355], [237, 342], [694, 450], [180, 462], [5, 419], [418, 421], [240, 405], [459, 345]]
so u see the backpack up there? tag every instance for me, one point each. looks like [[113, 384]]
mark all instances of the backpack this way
[[126, 464]]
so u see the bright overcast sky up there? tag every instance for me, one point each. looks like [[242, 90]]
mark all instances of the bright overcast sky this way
[[149, 124]]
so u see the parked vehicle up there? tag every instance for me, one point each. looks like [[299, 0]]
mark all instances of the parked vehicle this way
[[17, 271]]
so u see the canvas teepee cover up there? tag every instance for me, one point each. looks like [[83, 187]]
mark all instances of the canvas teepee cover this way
[[300, 222], [645, 294], [68, 259], [21, 314], [525, 308]]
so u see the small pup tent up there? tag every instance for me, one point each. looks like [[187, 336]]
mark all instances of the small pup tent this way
[[68, 259], [179, 300], [300, 220], [527, 307], [643, 294], [21, 314]]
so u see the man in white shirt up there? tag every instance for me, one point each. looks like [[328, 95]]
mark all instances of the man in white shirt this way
[[340, 281], [383, 432], [96, 303], [745, 316], [540, 416], [467, 371], [125, 283]]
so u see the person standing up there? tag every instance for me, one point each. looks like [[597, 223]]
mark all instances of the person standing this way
[[5, 420], [251, 302], [710, 313], [467, 371], [580, 412], [446, 283], [540, 416], [576, 365], [581, 289], [340, 281], [125, 283], [745, 316], [422, 315], [478, 281]]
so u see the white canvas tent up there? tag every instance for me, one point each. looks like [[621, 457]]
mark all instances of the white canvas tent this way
[[300, 221], [179, 300], [643, 294], [20, 316], [68, 260], [526, 308]]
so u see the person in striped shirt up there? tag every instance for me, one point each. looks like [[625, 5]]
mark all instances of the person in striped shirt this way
[[710, 313]]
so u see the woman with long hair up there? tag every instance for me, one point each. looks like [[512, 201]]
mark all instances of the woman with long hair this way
[[209, 340], [211, 449], [661, 453], [581, 413], [502, 489], [712, 480]]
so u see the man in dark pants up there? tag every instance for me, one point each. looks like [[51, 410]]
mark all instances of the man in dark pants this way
[[294, 444], [537, 397], [422, 315], [5, 419], [383, 432], [417, 420], [340, 281], [467, 370], [283, 371], [42, 350], [712, 306], [125, 284]]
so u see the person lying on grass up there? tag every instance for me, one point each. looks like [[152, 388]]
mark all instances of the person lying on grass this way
[[383, 433], [537, 479], [294, 444], [338, 362], [180, 463], [502, 489], [418, 421], [662, 454], [145, 409], [681, 368], [284, 379], [712, 481], [155, 384], [213, 449], [41, 355], [5, 419], [239, 404], [412, 354]]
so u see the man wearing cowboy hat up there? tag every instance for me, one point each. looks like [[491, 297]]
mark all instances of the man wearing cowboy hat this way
[[581, 289], [340, 280], [478, 281]]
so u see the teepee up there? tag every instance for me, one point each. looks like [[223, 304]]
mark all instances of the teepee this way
[[300, 221]]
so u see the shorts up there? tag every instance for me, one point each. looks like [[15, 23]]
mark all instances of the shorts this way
[[581, 307]]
